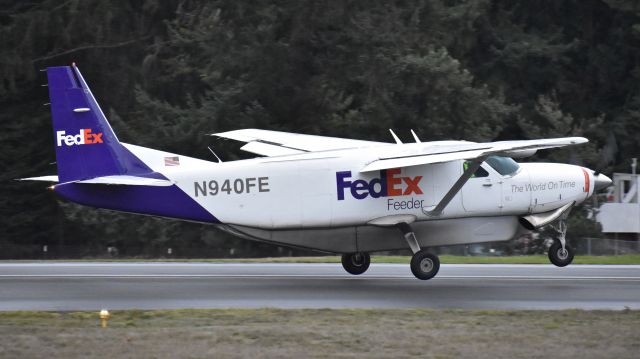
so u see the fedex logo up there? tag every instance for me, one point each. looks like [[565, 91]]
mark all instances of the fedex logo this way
[[389, 184], [85, 137]]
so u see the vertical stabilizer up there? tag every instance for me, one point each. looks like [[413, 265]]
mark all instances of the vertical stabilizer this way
[[86, 146]]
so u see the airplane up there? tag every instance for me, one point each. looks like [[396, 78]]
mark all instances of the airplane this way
[[337, 195]]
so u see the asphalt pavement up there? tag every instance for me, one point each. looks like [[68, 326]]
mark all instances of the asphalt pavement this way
[[92, 286]]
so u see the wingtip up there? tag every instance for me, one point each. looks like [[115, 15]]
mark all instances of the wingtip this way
[[579, 140]]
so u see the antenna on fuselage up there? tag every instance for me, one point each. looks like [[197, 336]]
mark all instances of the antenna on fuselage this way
[[395, 137], [415, 137], [214, 154]]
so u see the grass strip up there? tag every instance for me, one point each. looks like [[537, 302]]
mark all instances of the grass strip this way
[[323, 333]]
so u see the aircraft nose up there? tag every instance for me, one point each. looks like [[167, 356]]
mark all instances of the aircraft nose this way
[[601, 181]]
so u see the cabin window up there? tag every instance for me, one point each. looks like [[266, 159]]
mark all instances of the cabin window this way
[[480, 172], [503, 165]]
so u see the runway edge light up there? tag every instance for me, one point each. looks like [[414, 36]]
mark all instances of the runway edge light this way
[[104, 317]]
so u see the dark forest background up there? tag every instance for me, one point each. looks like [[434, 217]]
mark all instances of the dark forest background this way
[[168, 72]]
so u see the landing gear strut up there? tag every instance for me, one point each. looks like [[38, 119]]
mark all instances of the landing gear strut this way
[[356, 263], [560, 254], [424, 265]]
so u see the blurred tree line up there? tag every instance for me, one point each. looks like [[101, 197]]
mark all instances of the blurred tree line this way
[[168, 72]]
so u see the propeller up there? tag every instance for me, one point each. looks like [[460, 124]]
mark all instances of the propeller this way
[[600, 181], [607, 156]]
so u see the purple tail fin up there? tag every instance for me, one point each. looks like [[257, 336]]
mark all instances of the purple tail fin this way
[[86, 146]]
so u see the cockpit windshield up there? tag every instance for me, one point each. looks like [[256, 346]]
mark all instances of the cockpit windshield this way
[[506, 166]]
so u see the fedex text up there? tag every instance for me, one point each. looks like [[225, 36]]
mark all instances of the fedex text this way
[[85, 137], [390, 183]]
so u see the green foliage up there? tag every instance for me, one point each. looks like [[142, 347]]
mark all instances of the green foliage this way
[[169, 72]]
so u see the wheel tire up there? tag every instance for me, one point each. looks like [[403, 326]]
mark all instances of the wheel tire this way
[[425, 265], [559, 257], [356, 263]]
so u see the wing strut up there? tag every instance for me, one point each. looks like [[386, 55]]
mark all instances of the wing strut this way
[[473, 166]]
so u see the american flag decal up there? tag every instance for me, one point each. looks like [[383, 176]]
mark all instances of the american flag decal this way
[[172, 161]]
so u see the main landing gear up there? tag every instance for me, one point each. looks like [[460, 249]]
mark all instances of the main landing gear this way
[[356, 263], [560, 254], [424, 265]]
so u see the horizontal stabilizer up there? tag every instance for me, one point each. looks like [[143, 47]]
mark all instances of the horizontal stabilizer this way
[[51, 178], [124, 180]]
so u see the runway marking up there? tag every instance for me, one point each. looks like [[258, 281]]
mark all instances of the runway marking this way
[[313, 276], [289, 265]]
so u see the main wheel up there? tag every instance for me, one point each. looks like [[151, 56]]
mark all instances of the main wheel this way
[[356, 263], [425, 265], [560, 257]]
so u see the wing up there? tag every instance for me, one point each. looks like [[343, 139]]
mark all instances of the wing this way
[[426, 153], [276, 143]]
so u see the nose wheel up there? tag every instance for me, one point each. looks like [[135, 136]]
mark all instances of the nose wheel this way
[[356, 263], [560, 256]]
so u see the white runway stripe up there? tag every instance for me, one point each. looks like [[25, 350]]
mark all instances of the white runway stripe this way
[[169, 285], [314, 276]]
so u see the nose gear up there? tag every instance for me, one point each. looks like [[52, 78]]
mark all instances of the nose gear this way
[[560, 253]]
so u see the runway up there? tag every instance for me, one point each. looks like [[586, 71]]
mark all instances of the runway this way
[[92, 286]]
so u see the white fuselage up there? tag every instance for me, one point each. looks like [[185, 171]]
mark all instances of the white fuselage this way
[[326, 189]]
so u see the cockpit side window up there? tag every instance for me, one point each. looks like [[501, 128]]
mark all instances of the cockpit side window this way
[[480, 172], [505, 166]]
